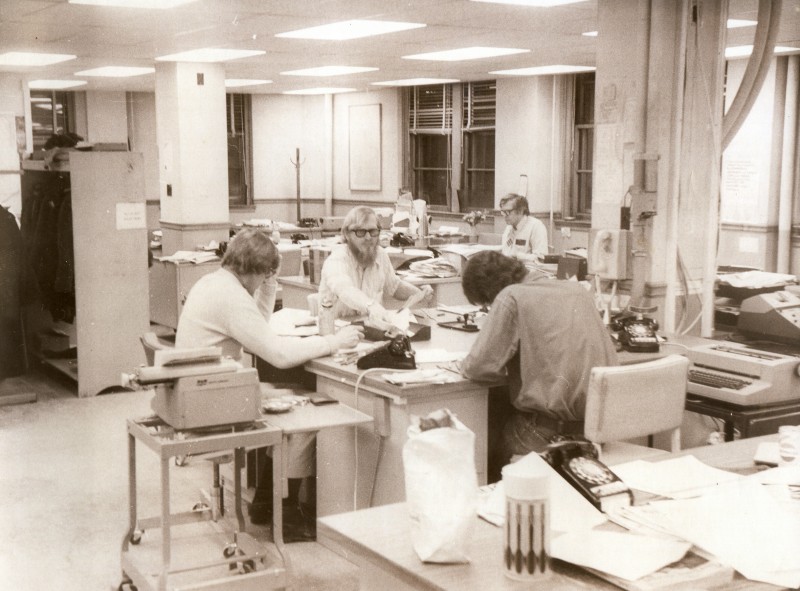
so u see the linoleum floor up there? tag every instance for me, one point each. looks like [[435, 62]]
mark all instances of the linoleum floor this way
[[64, 492]]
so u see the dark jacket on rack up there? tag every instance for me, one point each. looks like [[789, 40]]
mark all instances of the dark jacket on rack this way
[[11, 283]]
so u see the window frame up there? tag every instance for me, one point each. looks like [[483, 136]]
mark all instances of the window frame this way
[[240, 151], [578, 203], [66, 100]]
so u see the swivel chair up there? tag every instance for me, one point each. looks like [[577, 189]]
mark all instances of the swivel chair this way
[[631, 401]]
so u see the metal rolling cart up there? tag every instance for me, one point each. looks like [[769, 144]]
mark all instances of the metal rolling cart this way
[[243, 563]]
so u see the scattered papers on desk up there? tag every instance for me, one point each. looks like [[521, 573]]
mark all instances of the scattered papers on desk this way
[[756, 279], [439, 356], [258, 223], [438, 267], [421, 376], [569, 510], [191, 256], [294, 322], [677, 478], [741, 524], [767, 454], [625, 555], [447, 230]]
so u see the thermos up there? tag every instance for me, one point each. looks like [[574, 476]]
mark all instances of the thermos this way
[[526, 540], [326, 319]]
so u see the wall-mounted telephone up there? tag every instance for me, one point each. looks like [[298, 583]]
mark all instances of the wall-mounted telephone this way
[[396, 354], [609, 253], [636, 333], [577, 463]]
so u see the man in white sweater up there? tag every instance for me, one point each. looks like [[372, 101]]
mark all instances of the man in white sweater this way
[[230, 308]]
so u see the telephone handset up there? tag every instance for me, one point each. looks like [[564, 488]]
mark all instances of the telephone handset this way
[[637, 333], [577, 462], [608, 257]]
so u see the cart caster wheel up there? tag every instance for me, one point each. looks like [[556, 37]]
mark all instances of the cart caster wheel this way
[[181, 461], [248, 566], [127, 586], [229, 551], [136, 537], [200, 507]]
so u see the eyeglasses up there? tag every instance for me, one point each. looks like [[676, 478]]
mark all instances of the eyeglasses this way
[[507, 212], [362, 232]]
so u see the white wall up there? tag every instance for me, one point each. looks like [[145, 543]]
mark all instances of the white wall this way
[[142, 124], [107, 119], [524, 139]]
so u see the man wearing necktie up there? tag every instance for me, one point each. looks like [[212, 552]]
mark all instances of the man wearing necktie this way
[[525, 237]]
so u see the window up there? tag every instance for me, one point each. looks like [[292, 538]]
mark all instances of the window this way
[[479, 109], [239, 149], [430, 126], [582, 156], [440, 134], [51, 112]]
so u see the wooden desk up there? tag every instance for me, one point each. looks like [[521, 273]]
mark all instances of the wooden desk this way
[[379, 447], [296, 289], [378, 541]]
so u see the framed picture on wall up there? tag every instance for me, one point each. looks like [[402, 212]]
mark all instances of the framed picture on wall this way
[[365, 147]]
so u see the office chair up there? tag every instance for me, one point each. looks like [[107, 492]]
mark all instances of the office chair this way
[[631, 401]]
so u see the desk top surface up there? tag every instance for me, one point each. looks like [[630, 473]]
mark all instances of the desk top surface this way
[[381, 535]]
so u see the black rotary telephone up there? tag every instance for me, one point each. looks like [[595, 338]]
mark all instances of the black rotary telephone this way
[[636, 332], [396, 354]]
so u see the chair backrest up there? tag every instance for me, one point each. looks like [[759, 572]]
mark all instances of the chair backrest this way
[[151, 344], [628, 401]]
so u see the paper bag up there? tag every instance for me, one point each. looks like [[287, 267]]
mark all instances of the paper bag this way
[[441, 487]]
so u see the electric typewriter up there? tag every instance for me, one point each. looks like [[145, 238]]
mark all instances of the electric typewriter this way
[[742, 375]]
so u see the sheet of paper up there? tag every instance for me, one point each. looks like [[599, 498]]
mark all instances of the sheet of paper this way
[[624, 555], [438, 356], [294, 322], [680, 477]]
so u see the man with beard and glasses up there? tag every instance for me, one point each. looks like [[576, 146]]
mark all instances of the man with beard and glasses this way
[[358, 274]]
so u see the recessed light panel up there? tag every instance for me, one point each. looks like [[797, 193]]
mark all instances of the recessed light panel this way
[[54, 84], [465, 53], [116, 72], [236, 82], [329, 90], [210, 55], [416, 82], [544, 70], [538, 3], [25, 58], [329, 71], [345, 30], [160, 4], [590, 34]]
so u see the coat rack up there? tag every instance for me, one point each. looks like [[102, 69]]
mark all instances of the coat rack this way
[[297, 164]]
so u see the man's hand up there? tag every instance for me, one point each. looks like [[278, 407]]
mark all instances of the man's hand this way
[[348, 337]]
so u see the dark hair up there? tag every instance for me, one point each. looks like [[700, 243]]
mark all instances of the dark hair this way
[[487, 273], [518, 202], [251, 251], [62, 140]]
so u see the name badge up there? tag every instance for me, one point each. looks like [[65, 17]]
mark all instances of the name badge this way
[[520, 242]]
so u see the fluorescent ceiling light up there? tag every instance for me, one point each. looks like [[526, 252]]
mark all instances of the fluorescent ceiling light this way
[[416, 82], [539, 3], [465, 53], [24, 58], [54, 84], [735, 23], [134, 3], [590, 34], [329, 90], [236, 82], [745, 50], [329, 71], [210, 55], [345, 30], [116, 72], [545, 70]]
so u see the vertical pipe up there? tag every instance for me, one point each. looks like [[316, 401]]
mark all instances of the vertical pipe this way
[[328, 116], [674, 181], [788, 154]]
